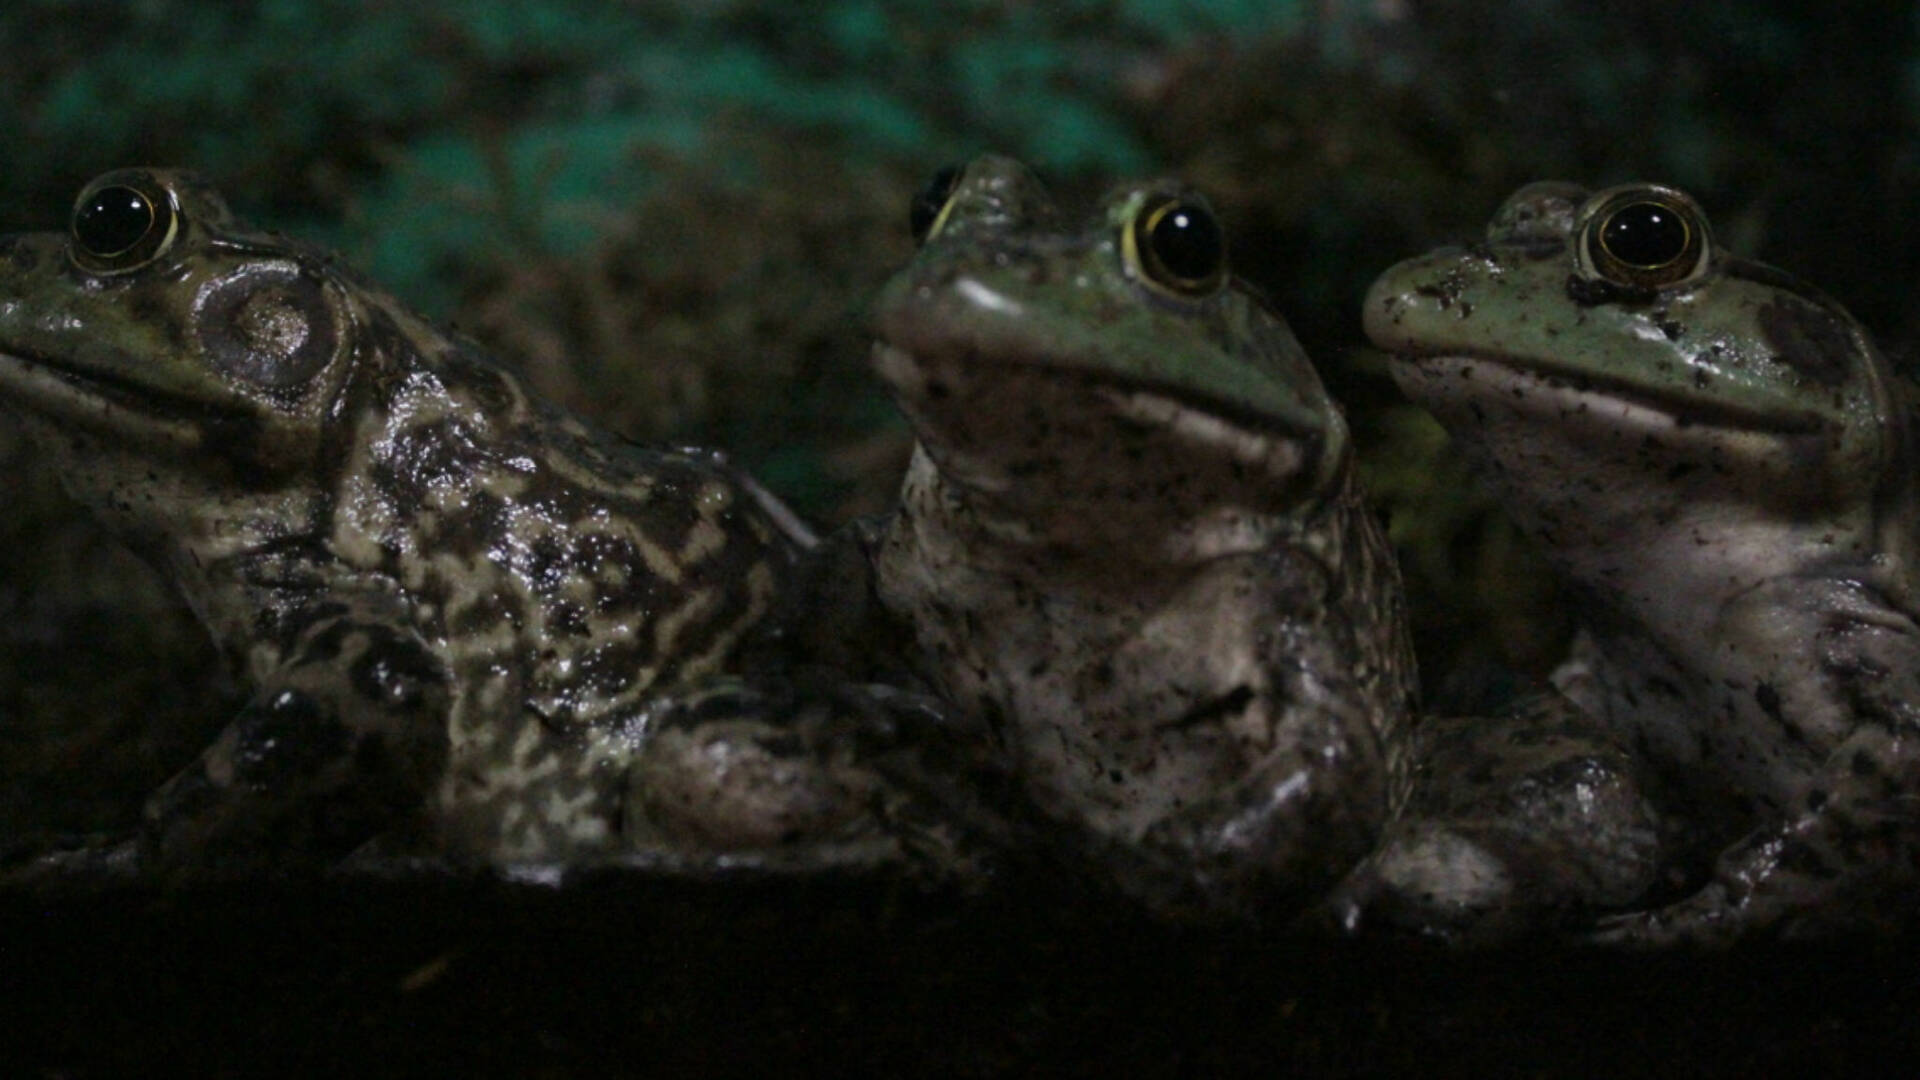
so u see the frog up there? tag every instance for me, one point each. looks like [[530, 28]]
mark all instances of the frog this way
[[1719, 460], [472, 624], [1130, 548], [1521, 825]]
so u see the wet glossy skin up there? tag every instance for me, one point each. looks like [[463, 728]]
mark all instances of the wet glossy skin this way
[[458, 606], [1721, 459], [1130, 543]]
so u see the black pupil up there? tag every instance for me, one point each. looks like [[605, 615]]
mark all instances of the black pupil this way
[[1186, 241], [113, 220], [930, 200], [1644, 234]]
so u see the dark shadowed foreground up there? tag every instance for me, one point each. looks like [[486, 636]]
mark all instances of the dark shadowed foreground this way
[[630, 974]]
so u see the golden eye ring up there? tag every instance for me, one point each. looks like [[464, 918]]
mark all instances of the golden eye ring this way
[[1174, 243], [123, 221], [1644, 237]]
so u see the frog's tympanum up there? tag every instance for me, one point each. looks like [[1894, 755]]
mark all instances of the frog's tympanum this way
[[458, 606], [1130, 543], [1720, 459]]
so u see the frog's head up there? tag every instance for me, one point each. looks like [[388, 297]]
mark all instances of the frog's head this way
[[1111, 368], [174, 362], [1614, 315], [1650, 406]]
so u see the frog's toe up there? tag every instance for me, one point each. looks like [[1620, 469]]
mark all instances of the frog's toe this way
[[1427, 881], [739, 784], [1636, 929], [86, 861], [1707, 919], [1650, 930]]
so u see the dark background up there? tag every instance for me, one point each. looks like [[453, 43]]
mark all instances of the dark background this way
[[855, 976]]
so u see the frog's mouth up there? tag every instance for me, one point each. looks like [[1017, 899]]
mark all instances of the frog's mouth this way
[[993, 423], [902, 366], [1148, 402], [1561, 390], [131, 411], [952, 321]]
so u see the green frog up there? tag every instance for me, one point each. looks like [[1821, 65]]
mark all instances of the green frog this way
[[463, 613], [1721, 461], [1130, 546]]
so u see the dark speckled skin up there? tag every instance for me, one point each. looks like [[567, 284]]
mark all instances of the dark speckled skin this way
[[456, 604], [1131, 545], [1723, 463]]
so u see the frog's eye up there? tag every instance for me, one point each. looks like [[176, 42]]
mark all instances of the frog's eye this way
[[1644, 238], [1173, 242], [929, 209], [121, 222]]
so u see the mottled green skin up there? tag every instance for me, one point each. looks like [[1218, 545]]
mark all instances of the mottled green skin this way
[[1130, 543], [456, 605], [1724, 466]]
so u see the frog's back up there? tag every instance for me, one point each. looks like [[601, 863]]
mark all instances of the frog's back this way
[[569, 579], [431, 579]]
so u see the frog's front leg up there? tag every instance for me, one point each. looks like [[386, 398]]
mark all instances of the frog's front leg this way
[[1307, 800], [1516, 824], [1278, 838], [341, 742], [738, 766], [1847, 857], [1225, 744], [810, 774], [1847, 866], [1846, 862]]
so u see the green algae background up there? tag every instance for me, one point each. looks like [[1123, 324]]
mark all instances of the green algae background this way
[[669, 215]]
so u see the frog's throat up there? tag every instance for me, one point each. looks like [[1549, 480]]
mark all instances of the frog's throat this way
[[1564, 384], [131, 413], [890, 359]]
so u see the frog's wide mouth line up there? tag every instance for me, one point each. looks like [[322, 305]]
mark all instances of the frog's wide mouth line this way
[[1682, 409], [55, 389], [1234, 413]]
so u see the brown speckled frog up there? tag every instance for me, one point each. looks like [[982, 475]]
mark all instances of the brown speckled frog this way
[[458, 607], [1721, 460], [1130, 543]]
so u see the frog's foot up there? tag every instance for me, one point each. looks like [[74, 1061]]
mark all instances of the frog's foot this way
[[740, 784], [1477, 884], [1709, 918], [338, 746], [762, 769], [1845, 863], [76, 861], [286, 782], [1721, 915], [1428, 881], [1775, 885], [1517, 825], [34, 846]]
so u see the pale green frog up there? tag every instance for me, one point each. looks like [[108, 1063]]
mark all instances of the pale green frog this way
[[1722, 462], [1131, 547], [462, 612]]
